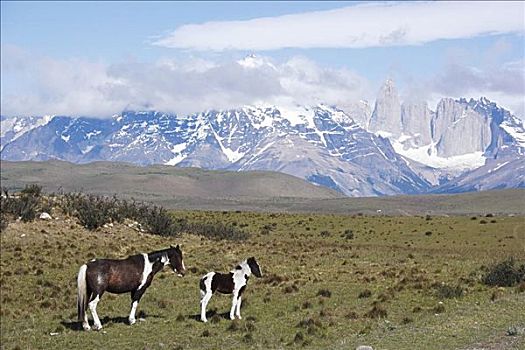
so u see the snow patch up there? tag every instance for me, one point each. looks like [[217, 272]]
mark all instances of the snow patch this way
[[426, 155], [516, 130], [499, 166], [179, 147], [175, 160]]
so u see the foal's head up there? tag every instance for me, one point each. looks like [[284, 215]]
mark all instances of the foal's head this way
[[254, 266], [175, 260]]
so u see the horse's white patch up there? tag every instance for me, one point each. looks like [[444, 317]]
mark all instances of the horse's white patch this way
[[164, 259], [206, 294], [93, 308], [148, 267], [132, 312]]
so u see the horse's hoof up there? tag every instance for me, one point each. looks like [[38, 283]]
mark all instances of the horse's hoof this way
[[204, 320], [86, 328], [97, 328], [132, 322]]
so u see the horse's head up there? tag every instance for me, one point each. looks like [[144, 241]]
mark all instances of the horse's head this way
[[175, 260], [254, 266]]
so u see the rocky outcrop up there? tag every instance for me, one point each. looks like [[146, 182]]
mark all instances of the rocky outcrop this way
[[387, 111]]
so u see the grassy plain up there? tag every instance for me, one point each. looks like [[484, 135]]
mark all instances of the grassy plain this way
[[410, 282]]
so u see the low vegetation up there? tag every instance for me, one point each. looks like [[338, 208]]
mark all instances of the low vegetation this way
[[388, 286], [94, 212]]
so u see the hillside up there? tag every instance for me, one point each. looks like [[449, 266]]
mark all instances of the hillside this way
[[191, 188], [157, 183]]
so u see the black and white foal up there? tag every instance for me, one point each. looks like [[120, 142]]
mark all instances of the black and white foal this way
[[133, 274], [228, 283]]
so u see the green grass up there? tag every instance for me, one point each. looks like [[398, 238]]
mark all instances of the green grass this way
[[308, 297]]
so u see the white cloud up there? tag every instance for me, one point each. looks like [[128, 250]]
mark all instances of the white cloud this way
[[40, 85], [367, 25]]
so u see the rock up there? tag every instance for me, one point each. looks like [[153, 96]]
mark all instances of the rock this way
[[364, 347], [387, 111], [45, 216]]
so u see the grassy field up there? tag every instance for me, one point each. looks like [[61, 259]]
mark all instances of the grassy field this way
[[400, 283]]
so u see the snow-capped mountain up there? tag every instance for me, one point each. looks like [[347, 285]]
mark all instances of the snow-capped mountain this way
[[399, 147], [458, 136], [321, 144]]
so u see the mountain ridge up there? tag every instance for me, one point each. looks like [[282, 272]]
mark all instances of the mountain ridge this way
[[423, 149]]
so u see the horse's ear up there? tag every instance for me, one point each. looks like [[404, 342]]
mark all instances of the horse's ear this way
[[177, 247]]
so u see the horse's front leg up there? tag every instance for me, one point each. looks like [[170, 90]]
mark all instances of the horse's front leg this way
[[235, 299], [238, 311], [135, 298]]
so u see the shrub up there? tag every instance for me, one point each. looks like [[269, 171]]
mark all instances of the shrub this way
[[157, 221], [4, 222], [324, 293], [444, 291], [325, 233], [92, 211], [365, 294], [32, 190], [506, 273], [25, 205], [218, 231], [377, 311], [439, 309], [348, 234]]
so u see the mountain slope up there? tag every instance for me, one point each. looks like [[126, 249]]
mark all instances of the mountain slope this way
[[158, 182], [340, 154]]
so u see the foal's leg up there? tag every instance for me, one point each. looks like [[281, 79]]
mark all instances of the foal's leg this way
[[234, 304], [93, 308], [206, 296], [238, 311]]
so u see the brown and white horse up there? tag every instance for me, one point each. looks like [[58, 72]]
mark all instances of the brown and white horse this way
[[133, 274], [228, 283]]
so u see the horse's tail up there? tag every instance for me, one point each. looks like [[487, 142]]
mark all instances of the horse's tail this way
[[82, 292]]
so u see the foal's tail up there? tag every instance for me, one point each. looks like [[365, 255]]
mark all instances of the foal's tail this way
[[82, 292]]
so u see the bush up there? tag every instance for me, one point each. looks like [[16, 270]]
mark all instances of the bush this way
[[23, 206], [348, 234], [365, 294], [324, 293], [504, 274], [93, 211], [3, 221], [217, 231], [377, 311], [159, 222], [444, 291], [32, 190], [325, 233]]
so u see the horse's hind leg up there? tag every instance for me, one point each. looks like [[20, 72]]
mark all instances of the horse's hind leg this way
[[85, 322], [93, 308]]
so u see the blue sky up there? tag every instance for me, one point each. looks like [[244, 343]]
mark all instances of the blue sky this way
[[95, 58]]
